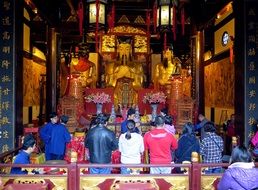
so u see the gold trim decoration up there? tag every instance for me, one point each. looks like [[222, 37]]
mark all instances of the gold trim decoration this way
[[117, 183], [207, 182], [140, 44], [178, 182], [92, 183], [139, 20], [59, 183], [108, 43], [123, 19], [128, 30]]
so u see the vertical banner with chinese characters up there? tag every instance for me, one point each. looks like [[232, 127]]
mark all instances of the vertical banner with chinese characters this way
[[7, 75], [251, 66]]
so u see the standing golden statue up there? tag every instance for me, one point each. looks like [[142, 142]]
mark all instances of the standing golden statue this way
[[124, 66], [164, 70]]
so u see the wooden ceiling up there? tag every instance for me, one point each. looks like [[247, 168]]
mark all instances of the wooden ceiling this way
[[61, 14]]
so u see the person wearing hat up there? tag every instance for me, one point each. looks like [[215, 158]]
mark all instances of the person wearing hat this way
[[59, 137], [46, 132], [23, 157]]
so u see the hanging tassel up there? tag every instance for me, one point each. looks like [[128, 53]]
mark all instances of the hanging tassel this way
[[109, 18], [69, 60], [113, 15], [80, 16], [148, 17], [183, 20], [231, 53], [148, 21], [97, 26], [165, 41], [174, 23], [231, 49], [155, 17]]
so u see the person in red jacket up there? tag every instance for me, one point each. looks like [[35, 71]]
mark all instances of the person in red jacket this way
[[159, 142]]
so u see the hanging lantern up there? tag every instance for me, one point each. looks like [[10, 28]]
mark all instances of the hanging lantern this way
[[96, 14], [165, 18], [165, 15]]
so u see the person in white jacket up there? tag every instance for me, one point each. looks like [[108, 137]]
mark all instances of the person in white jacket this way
[[131, 147]]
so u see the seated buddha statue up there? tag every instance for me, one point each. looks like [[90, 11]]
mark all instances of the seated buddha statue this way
[[86, 68], [163, 71], [124, 66]]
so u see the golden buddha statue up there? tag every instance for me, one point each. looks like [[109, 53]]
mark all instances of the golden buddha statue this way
[[85, 68], [124, 67], [87, 71], [163, 71], [88, 78]]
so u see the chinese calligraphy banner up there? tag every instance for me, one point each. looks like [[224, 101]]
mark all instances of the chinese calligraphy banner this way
[[7, 75], [251, 66]]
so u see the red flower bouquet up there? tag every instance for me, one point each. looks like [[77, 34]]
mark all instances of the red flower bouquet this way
[[154, 98], [99, 98]]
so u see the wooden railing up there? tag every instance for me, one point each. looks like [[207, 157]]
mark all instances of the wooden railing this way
[[75, 176]]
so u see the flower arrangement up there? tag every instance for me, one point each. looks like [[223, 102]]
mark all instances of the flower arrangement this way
[[154, 97], [98, 98]]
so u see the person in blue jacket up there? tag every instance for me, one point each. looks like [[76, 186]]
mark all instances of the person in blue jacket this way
[[59, 137], [46, 132], [23, 157]]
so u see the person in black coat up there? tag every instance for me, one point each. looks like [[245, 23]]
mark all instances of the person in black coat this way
[[187, 144], [101, 142]]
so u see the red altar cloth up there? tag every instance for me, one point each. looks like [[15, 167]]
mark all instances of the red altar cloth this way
[[75, 145], [90, 108]]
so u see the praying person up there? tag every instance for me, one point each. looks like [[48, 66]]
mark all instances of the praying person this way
[[131, 147]]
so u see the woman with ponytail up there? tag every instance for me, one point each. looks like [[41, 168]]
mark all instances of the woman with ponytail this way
[[131, 147]]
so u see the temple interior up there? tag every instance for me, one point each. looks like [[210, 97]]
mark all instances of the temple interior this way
[[80, 58], [128, 56]]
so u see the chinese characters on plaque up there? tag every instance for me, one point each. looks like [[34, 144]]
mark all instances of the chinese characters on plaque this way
[[251, 69], [7, 75]]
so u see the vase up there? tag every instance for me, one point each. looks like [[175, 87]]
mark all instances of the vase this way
[[154, 108], [99, 108]]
